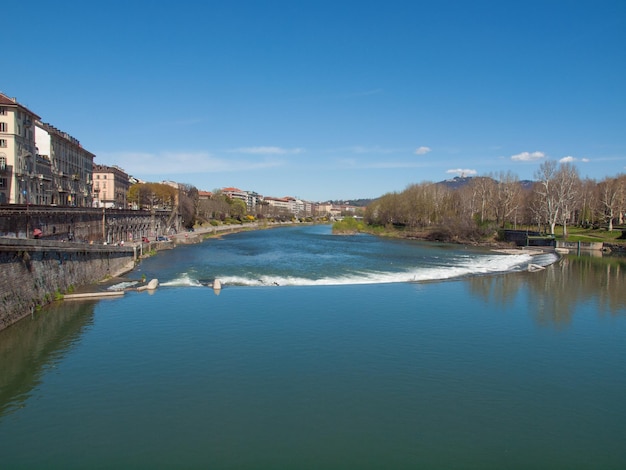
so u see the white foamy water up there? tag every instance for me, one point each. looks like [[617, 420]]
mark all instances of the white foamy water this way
[[122, 285], [185, 280], [312, 256], [471, 266]]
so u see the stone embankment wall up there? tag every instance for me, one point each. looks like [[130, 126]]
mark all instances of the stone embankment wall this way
[[86, 224], [33, 272]]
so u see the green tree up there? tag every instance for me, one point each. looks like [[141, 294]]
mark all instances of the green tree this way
[[238, 208]]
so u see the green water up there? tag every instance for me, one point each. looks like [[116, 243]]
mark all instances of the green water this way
[[518, 370]]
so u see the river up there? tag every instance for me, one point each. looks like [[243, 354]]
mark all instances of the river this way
[[325, 351]]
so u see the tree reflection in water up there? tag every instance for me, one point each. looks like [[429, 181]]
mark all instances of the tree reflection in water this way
[[554, 293]]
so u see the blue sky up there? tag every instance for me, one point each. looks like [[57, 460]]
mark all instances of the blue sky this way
[[326, 99]]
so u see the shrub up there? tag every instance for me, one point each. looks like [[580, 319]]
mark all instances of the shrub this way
[[348, 225]]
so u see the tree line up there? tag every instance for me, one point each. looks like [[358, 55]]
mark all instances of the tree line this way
[[557, 196], [184, 199]]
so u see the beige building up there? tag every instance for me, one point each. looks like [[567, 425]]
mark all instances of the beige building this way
[[68, 180], [19, 183], [110, 186], [280, 205], [40, 164]]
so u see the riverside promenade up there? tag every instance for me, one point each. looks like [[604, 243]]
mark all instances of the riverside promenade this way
[[201, 233]]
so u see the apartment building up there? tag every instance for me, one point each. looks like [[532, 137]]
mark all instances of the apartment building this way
[[68, 181], [110, 186], [40, 164], [236, 193], [280, 205], [18, 152]]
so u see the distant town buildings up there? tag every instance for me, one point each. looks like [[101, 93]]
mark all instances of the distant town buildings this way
[[43, 165]]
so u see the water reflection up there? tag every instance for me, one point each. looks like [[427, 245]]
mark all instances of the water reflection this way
[[555, 292], [35, 344]]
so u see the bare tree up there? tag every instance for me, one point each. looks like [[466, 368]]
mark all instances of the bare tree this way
[[546, 189], [587, 202], [621, 210], [506, 196], [483, 189], [611, 195], [216, 207], [567, 187], [188, 203]]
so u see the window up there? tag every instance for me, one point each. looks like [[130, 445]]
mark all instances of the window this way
[[3, 126], [3, 111], [3, 142], [3, 183], [3, 162]]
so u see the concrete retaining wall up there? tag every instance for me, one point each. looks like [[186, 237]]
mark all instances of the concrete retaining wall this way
[[578, 246], [32, 273]]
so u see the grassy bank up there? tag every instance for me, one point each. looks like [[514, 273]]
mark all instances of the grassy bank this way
[[486, 237]]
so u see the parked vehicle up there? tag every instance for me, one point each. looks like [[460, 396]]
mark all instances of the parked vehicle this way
[[145, 239]]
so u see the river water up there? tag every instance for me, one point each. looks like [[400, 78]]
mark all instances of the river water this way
[[325, 351]]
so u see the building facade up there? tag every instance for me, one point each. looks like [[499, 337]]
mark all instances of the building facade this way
[[18, 177], [68, 182], [110, 187], [40, 164]]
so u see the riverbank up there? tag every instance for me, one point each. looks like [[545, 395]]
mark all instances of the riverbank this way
[[613, 246], [199, 234], [438, 236]]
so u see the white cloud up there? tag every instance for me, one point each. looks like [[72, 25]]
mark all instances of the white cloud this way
[[422, 150], [268, 150], [140, 164], [528, 156], [570, 159], [461, 172]]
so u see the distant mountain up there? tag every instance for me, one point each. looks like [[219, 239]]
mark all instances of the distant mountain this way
[[527, 184], [352, 202], [460, 181], [456, 182]]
